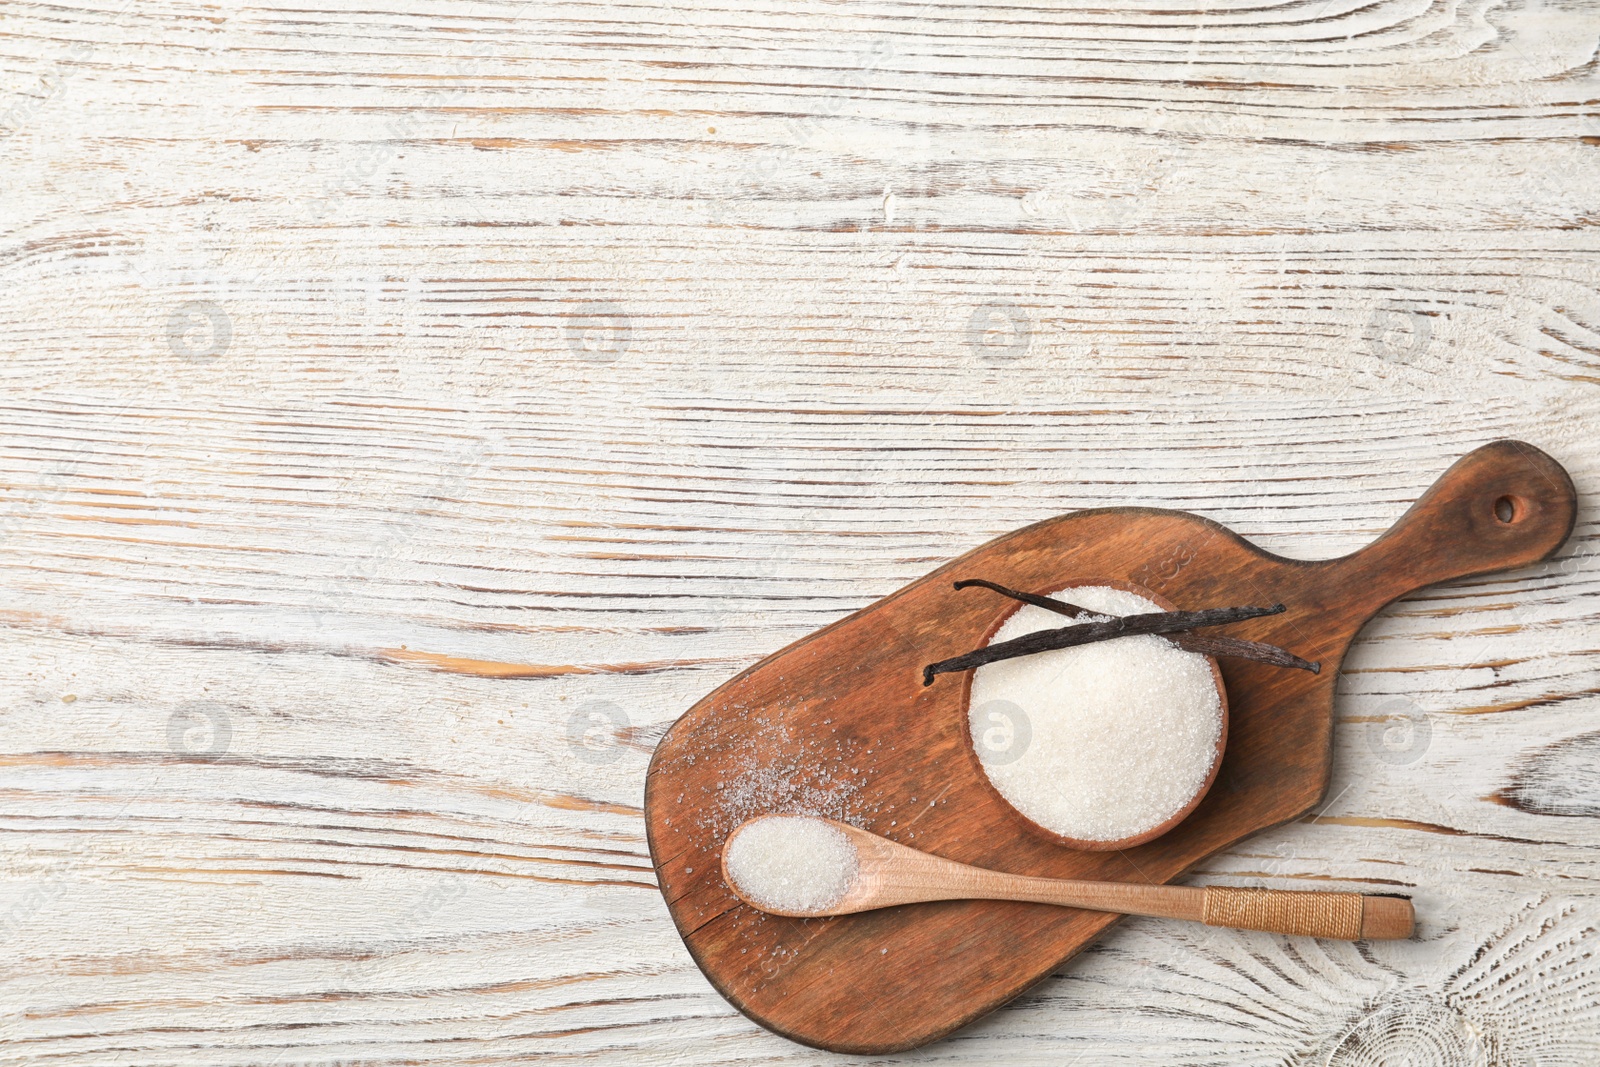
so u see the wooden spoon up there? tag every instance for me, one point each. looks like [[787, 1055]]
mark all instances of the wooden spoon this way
[[888, 874]]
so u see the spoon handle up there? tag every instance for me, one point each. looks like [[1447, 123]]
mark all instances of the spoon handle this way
[[1345, 916]]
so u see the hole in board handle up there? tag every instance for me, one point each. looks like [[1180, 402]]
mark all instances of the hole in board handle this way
[[1508, 509]]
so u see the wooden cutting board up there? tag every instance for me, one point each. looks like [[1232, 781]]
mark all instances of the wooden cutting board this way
[[840, 724]]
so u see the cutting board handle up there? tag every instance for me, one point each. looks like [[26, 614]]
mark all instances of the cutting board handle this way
[[1501, 506]]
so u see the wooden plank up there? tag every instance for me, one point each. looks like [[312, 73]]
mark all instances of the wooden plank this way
[[1271, 265]]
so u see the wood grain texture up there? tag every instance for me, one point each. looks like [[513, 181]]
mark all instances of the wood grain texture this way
[[411, 408]]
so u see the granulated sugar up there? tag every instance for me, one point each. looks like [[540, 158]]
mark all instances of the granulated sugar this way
[[1099, 742], [777, 771], [791, 863]]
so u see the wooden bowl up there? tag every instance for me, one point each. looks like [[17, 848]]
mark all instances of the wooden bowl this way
[[1043, 831]]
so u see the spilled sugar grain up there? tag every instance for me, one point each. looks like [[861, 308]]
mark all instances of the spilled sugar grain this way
[[772, 769], [791, 863], [779, 774], [1113, 738], [798, 782]]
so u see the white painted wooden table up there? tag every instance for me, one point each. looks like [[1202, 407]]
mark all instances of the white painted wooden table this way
[[411, 407]]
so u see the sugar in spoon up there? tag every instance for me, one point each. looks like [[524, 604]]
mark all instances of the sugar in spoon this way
[[808, 866]]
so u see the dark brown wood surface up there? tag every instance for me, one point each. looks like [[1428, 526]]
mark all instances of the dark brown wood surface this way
[[839, 723]]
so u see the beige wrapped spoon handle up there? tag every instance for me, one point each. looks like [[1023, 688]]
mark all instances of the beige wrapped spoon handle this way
[[888, 874]]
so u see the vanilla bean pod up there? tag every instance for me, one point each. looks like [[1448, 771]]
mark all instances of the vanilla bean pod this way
[[1060, 607], [1159, 622], [1239, 648], [1205, 644]]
